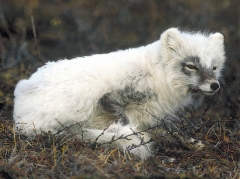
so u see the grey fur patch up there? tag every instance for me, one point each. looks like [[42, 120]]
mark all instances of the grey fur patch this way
[[114, 106], [196, 101], [202, 72], [183, 69], [115, 102], [194, 59], [205, 74]]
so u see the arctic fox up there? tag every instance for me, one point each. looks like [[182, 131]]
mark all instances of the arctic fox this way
[[117, 94]]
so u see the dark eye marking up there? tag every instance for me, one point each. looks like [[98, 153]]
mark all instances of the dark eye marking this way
[[214, 68], [192, 67]]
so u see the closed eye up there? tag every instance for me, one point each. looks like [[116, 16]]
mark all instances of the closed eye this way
[[192, 67]]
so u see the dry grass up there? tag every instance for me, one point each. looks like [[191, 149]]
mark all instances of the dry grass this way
[[51, 156]]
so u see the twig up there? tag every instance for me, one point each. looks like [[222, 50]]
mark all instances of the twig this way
[[65, 127], [126, 137], [3, 51], [133, 146], [36, 42], [103, 132], [34, 29], [4, 131], [5, 25]]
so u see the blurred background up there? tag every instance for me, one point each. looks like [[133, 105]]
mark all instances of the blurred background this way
[[33, 32]]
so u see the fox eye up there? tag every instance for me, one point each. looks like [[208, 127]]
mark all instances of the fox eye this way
[[192, 67], [214, 68]]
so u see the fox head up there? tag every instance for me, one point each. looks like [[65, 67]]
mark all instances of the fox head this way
[[193, 61]]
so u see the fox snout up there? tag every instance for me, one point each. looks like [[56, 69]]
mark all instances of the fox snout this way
[[208, 88]]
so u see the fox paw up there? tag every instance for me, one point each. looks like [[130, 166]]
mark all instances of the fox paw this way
[[189, 142], [193, 144]]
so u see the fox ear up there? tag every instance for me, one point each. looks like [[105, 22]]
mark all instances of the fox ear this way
[[171, 38], [217, 37]]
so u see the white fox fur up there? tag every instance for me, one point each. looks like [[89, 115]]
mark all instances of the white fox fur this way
[[122, 86]]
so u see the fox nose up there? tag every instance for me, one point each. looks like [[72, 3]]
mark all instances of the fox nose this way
[[214, 86]]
